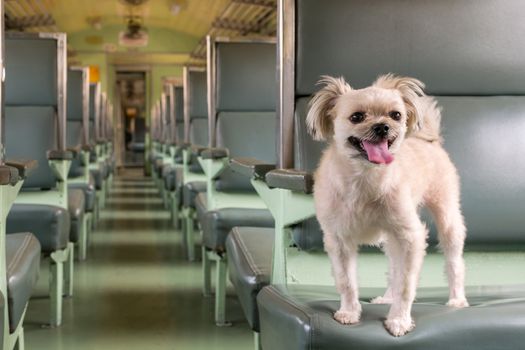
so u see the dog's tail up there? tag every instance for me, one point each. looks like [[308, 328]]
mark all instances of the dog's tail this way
[[430, 120]]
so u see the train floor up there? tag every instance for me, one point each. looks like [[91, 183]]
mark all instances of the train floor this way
[[135, 290]]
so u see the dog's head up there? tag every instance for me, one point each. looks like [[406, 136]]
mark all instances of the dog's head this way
[[369, 123]]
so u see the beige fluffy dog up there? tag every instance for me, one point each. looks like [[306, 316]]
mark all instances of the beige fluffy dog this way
[[384, 161]]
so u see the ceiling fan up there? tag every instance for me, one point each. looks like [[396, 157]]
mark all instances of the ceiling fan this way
[[135, 34]]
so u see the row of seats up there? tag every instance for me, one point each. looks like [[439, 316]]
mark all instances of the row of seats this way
[[56, 172], [252, 203]]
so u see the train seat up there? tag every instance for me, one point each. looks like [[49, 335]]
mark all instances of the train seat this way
[[195, 137], [50, 224], [77, 138], [296, 309], [243, 94], [34, 109], [249, 266], [23, 266], [173, 170]]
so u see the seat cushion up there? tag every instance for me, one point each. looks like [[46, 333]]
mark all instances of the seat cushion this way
[[109, 165], [300, 317], [50, 224], [89, 194], [249, 263], [158, 165], [77, 171], [23, 266], [98, 177], [172, 178], [216, 224], [76, 207], [190, 192]]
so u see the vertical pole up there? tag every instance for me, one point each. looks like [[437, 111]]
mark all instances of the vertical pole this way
[[220, 292], [85, 105], [206, 273], [2, 76], [186, 98], [62, 89], [286, 81], [211, 90]]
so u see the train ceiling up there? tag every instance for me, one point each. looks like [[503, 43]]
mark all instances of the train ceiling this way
[[174, 29]]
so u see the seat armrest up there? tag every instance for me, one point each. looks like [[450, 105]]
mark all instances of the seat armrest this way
[[251, 167], [23, 166], [8, 175], [196, 150], [74, 150], [59, 155], [291, 179], [184, 145], [214, 153], [88, 148]]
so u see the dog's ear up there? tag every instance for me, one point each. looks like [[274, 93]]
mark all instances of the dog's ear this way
[[411, 91], [319, 119]]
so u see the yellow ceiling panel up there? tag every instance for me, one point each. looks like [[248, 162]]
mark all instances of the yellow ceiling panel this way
[[147, 58], [188, 16]]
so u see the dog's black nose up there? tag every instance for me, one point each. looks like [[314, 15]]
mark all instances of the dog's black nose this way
[[381, 129]]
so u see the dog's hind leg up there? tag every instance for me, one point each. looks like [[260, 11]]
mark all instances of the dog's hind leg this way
[[452, 233], [344, 268]]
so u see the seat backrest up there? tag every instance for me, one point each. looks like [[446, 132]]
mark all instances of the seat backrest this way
[[77, 104], [243, 81], [178, 101], [470, 56], [23, 142], [198, 125], [165, 120], [195, 111], [94, 112], [33, 102]]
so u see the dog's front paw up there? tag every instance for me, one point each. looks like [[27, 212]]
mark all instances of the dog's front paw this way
[[399, 326], [458, 303], [381, 300], [347, 317]]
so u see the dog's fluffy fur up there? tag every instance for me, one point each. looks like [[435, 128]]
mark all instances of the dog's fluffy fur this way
[[360, 202]]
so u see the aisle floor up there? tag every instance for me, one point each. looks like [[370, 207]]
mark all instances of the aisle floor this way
[[136, 290]]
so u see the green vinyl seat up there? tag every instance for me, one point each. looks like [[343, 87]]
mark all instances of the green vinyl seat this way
[[249, 265], [98, 177], [172, 177], [190, 191], [23, 267], [89, 190], [3, 306], [493, 321], [481, 100], [242, 123], [216, 224], [49, 224]]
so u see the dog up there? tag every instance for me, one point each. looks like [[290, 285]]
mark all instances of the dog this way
[[384, 161]]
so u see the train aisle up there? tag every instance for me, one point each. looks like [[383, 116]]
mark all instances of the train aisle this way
[[135, 290]]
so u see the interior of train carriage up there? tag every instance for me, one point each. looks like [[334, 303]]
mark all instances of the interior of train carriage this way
[[157, 187]]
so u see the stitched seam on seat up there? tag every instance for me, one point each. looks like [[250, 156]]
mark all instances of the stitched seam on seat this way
[[18, 254], [248, 257], [295, 306], [291, 303]]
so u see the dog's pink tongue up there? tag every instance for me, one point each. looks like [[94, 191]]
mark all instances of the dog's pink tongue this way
[[378, 152]]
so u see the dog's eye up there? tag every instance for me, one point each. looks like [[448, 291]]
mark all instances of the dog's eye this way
[[395, 115], [357, 117]]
